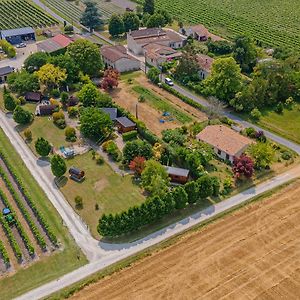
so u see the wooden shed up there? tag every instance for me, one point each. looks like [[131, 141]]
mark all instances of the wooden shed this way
[[125, 125], [76, 174], [33, 96], [178, 175]]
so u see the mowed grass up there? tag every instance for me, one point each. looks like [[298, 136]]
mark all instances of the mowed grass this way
[[49, 267], [161, 104], [112, 192], [286, 124]]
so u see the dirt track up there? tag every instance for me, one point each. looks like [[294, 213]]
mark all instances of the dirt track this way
[[253, 253]]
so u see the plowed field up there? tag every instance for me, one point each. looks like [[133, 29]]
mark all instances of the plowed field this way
[[253, 253]]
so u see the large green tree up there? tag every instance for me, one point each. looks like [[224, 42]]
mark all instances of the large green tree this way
[[10, 102], [263, 155], [156, 20], [116, 25], [22, 116], [95, 124], [89, 95], [180, 197], [91, 18], [35, 61], [87, 56], [225, 79], [42, 146], [149, 7], [58, 166], [136, 148], [23, 82], [245, 53], [131, 21]]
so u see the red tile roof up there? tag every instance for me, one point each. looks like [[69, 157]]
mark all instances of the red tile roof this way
[[62, 40], [205, 62]]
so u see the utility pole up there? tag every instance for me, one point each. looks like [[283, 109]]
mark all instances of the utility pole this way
[[136, 111]]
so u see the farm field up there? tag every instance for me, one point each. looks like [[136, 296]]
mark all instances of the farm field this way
[[112, 192], [29, 243], [156, 102], [274, 23], [23, 13], [250, 253]]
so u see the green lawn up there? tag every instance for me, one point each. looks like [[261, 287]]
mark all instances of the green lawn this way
[[286, 124], [49, 267], [112, 192], [162, 104]]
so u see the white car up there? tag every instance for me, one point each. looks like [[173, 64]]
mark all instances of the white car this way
[[169, 81], [21, 45]]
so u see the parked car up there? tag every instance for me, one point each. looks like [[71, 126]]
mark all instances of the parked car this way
[[169, 81], [21, 45]]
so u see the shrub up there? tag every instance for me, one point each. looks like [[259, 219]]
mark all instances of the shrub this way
[[250, 131], [59, 119], [255, 114], [28, 134], [42, 146], [70, 134], [78, 202], [22, 116], [279, 108], [96, 206], [55, 93], [286, 155], [99, 160], [22, 100], [128, 136], [64, 97], [73, 111]]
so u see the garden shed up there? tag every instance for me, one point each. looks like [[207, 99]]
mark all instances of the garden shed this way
[[125, 125], [178, 175], [33, 96], [76, 174]]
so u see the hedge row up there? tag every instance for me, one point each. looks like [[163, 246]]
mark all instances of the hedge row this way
[[128, 136], [36, 233], [15, 246], [18, 225], [185, 99], [3, 253], [30, 202]]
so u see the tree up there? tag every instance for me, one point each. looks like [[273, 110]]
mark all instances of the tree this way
[[91, 16], [67, 63], [168, 18], [156, 20], [149, 7], [95, 124], [245, 53], [192, 190], [158, 186], [28, 134], [153, 75], [58, 166], [110, 79], [137, 165], [10, 102], [51, 76], [8, 48], [42, 146], [86, 55], [22, 116], [131, 21], [243, 167], [70, 134], [35, 61], [64, 97], [225, 79], [180, 197], [154, 174], [136, 148], [23, 82], [262, 153], [205, 186], [116, 25], [78, 202], [89, 95]]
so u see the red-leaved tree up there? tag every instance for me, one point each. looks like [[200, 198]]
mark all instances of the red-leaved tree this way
[[243, 166], [137, 165], [110, 79]]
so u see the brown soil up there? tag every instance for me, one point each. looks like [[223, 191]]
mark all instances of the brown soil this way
[[252, 253]]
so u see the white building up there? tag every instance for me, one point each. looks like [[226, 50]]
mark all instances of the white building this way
[[116, 57], [205, 63], [138, 39]]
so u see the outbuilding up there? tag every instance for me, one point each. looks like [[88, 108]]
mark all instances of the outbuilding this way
[[111, 111], [18, 35], [76, 174], [33, 96], [125, 125], [178, 175], [4, 72], [45, 109]]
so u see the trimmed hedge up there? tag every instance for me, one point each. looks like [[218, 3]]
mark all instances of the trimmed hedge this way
[[30, 202], [128, 136], [4, 254]]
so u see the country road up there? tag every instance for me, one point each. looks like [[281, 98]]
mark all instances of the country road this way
[[102, 254]]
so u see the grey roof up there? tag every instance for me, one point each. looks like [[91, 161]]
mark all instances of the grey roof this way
[[16, 31], [141, 33], [111, 111], [6, 70], [49, 46], [177, 171], [124, 121]]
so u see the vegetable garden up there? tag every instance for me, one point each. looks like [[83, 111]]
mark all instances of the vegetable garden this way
[[24, 232], [273, 24], [22, 13]]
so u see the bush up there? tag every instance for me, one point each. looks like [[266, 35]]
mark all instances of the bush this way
[[255, 114], [251, 132], [78, 202], [22, 116], [28, 134], [153, 75], [22, 100], [99, 160], [42, 146], [70, 134], [128, 136], [59, 119], [64, 97], [69, 29], [111, 148], [73, 112], [55, 93], [286, 155], [279, 108]]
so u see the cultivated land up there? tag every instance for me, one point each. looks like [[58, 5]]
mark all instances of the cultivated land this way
[[22, 278], [250, 253], [275, 23], [23, 13]]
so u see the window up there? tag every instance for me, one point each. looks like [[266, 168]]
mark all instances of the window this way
[[227, 156], [219, 152]]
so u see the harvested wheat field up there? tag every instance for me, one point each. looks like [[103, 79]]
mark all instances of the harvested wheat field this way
[[253, 253]]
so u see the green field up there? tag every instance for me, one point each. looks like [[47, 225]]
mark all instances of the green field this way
[[274, 22], [58, 263], [23, 13]]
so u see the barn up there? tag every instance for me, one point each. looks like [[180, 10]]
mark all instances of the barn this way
[[18, 35]]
